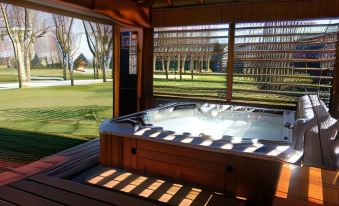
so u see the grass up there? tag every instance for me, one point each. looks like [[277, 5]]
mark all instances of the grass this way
[[11, 75], [22, 147], [42, 121], [244, 89]]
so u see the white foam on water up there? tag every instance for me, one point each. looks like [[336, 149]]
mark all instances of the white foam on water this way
[[237, 124]]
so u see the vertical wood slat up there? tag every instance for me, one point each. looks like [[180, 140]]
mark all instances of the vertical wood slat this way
[[109, 150], [127, 154], [103, 149], [128, 159], [334, 109], [230, 61], [116, 151]]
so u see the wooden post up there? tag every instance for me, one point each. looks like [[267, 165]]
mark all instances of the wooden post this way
[[146, 74], [230, 61], [334, 107], [116, 69]]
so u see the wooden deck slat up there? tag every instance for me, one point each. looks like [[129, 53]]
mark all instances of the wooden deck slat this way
[[307, 186], [50, 163], [19, 197], [58, 195], [69, 167], [164, 192], [92, 192], [3, 203]]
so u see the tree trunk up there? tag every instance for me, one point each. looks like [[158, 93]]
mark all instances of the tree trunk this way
[[179, 66], [167, 67], [70, 69], [94, 68], [163, 64], [65, 67], [28, 65], [104, 78], [97, 68], [154, 62], [209, 64], [21, 64]]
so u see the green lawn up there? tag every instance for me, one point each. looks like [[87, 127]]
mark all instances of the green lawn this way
[[11, 75], [36, 122], [212, 86]]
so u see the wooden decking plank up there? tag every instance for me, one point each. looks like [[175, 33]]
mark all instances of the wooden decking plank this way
[[80, 148], [165, 192], [18, 197], [90, 191], [49, 163], [55, 194], [3, 203], [70, 165]]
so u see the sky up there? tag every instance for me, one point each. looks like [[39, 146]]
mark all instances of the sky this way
[[47, 46]]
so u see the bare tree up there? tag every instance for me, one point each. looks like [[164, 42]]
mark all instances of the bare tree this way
[[100, 40], [23, 28], [68, 43], [63, 26]]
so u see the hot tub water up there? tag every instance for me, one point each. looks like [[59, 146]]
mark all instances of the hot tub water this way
[[240, 124]]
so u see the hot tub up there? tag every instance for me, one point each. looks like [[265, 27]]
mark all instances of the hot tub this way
[[230, 149], [224, 121]]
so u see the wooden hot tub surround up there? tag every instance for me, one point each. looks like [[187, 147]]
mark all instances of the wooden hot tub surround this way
[[242, 175]]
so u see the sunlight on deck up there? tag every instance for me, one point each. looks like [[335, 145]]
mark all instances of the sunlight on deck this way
[[150, 189], [100, 177], [156, 189], [315, 190]]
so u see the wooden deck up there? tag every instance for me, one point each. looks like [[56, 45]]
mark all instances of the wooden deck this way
[[46, 182], [59, 162], [158, 190]]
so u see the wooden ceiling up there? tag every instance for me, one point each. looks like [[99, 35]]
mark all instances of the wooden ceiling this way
[[192, 3]]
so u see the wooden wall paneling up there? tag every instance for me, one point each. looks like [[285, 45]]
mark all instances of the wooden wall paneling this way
[[242, 178], [246, 12], [183, 151], [129, 159], [109, 151], [178, 159], [156, 168], [231, 170], [202, 178], [116, 151], [103, 150], [264, 176], [127, 154]]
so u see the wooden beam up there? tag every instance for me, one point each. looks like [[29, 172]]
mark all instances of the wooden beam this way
[[169, 2], [62, 8], [230, 61], [116, 72]]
